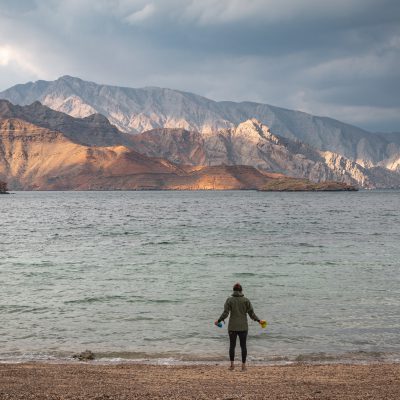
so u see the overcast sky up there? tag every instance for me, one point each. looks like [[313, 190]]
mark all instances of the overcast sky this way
[[339, 58]]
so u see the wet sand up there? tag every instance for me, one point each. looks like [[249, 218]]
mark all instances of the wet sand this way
[[91, 381]]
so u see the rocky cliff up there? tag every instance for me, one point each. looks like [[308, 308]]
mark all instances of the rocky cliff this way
[[252, 143], [93, 130], [138, 110], [37, 158]]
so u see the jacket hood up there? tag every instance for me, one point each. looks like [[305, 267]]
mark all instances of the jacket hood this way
[[236, 293]]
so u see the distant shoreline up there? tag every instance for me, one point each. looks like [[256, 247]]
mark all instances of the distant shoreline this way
[[14, 191]]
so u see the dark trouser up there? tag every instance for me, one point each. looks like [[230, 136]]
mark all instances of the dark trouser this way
[[242, 339]]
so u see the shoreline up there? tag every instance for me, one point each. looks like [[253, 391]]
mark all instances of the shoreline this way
[[122, 381], [351, 358], [350, 189], [117, 356]]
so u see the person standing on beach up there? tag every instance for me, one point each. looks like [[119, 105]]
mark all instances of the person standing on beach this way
[[238, 306]]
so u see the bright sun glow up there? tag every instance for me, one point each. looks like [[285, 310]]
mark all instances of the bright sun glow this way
[[21, 60], [5, 55]]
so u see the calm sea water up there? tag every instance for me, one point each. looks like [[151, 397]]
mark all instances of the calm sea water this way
[[143, 275]]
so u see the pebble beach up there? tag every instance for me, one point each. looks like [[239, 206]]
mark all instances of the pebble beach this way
[[86, 381]]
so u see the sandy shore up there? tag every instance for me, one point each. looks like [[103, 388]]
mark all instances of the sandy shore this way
[[90, 381]]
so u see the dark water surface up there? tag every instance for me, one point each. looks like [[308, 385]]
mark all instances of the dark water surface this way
[[144, 274]]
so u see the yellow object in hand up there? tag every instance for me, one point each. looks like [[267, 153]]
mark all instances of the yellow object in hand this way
[[263, 323]]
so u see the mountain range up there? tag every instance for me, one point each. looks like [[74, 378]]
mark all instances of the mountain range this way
[[190, 130], [138, 110], [43, 149], [252, 143]]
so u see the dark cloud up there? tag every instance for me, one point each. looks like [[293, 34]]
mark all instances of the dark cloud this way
[[333, 58]]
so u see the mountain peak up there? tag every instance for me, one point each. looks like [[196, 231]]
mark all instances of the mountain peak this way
[[37, 104], [69, 78], [253, 123], [98, 119], [254, 129]]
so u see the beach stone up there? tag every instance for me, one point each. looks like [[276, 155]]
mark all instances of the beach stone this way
[[84, 356]]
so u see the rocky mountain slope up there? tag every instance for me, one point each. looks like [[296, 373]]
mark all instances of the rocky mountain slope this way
[[138, 110], [93, 130], [252, 143], [37, 158], [32, 157]]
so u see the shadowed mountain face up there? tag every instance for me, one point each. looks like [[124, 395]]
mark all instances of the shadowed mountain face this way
[[139, 110], [94, 130]]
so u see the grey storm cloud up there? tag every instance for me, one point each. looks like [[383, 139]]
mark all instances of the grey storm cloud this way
[[338, 59]]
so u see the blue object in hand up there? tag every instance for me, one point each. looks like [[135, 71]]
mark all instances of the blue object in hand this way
[[220, 324]]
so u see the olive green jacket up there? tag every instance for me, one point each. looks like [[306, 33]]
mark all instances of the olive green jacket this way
[[238, 307]]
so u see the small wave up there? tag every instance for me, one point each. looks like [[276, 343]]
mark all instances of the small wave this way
[[32, 356], [303, 244], [231, 255], [172, 358], [100, 299], [269, 276], [164, 242], [356, 356], [121, 233], [145, 300], [42, 274], [273, 276], [16, 308], [140, 318], [162, 301]]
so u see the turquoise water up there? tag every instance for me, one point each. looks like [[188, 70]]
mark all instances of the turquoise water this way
[[143, 275]]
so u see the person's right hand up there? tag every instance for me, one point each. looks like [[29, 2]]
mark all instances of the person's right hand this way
[[216, 322]]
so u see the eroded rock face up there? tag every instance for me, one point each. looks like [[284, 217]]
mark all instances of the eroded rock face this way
[[94, 130], [32, 157], [36, 158], [252, 143]]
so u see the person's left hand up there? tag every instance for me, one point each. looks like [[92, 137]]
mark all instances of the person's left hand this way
[[216, 322]]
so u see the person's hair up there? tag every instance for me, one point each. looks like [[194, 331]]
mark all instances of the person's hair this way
[[237, 287]]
